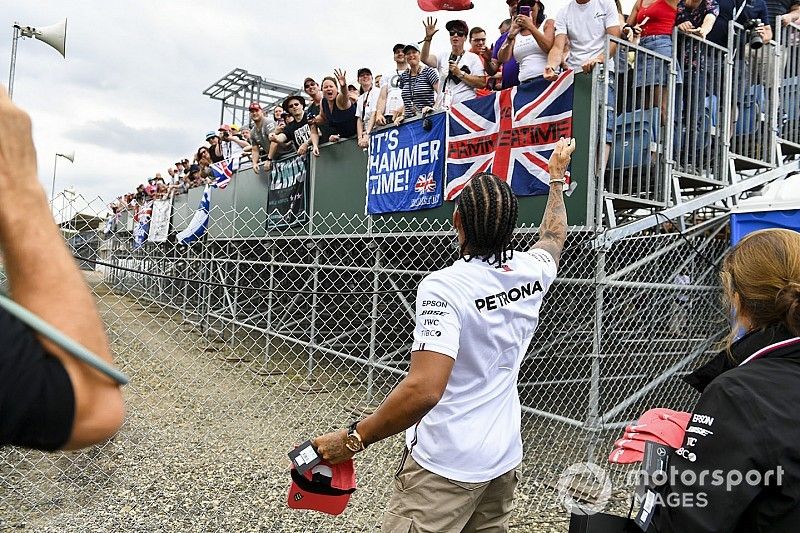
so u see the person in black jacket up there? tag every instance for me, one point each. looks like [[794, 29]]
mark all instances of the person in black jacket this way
[[739, 467]]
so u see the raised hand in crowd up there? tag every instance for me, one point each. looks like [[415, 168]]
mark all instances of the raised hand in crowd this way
[[341, 77], [430, 27]]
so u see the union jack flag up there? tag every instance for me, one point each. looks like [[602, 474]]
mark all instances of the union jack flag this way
[[425, 183], [510, 133], [222, 172]]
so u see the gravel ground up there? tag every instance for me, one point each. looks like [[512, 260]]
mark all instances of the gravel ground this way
[[205, 441]]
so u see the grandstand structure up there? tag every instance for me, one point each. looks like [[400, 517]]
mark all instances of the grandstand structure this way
[[620, 327], [330, 299]]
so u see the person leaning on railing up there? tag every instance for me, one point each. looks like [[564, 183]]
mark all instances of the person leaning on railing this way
[[419, 86], [49, 399], [788, 10], [653, 21], [297, 132], [337, 110]]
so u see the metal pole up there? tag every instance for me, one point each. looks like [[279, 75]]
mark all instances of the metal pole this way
[[53, 188], [593, 418], [373, 327], [13, 62]]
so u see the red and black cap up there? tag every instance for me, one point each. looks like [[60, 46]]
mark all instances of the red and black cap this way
[[325, 487]]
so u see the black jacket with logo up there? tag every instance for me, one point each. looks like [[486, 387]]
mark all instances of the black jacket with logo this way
[[747, 419]]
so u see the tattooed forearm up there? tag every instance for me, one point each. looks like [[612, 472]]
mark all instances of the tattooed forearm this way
[[553, 229]]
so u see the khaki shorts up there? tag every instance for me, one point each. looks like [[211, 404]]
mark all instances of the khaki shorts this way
[[424, 502]]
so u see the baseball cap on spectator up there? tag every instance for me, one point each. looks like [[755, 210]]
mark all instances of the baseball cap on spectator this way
[[362, 71], [235, 127], [224, 127], [325, 487], [305, 81], [194, 168], [411, 46], [398, 46], [211, 134], [285, 104], [254, 106], [457, 25], [352, 87]]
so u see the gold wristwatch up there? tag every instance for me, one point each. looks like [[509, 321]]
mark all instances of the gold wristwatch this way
[[353, 442]]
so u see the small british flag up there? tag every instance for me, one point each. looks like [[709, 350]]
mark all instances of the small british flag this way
[[425, 183], [223, 172]]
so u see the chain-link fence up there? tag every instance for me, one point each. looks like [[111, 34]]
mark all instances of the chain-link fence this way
[[238, 349]]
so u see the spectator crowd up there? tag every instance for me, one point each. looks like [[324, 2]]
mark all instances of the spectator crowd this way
[[531, 43]]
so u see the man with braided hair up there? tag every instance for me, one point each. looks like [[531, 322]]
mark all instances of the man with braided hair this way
[[459, 402]]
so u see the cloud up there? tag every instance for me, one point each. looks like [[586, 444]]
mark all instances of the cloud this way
[[116, 136]]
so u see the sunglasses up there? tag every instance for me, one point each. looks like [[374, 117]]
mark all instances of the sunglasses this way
[[479, 40], [459, 33]]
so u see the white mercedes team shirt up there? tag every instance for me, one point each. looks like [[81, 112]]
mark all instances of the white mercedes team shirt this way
[[484, 317]]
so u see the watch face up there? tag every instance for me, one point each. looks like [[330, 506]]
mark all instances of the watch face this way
[[352, 443]]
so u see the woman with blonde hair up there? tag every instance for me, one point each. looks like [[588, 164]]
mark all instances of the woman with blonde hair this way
[[739, 466]]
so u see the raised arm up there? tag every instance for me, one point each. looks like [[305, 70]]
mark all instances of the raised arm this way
[[44, 278], [425, 53], [553, 229], [342, 99], [507, 50]]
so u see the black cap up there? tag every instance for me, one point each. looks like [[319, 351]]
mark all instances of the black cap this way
[[398, 46], [285, 104], [457, 25], [362, 71]]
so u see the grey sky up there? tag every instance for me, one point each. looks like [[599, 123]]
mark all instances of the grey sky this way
[[128, 98]]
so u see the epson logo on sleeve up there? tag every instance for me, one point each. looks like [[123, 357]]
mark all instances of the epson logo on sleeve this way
[[433, 303], [703, 419]]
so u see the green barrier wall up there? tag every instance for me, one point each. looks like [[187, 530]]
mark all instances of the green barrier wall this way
[[338, 192]]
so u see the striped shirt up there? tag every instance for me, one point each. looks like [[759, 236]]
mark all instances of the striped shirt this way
[[418, 90]]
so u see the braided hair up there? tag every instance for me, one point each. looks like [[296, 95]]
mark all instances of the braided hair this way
[[488, 216]]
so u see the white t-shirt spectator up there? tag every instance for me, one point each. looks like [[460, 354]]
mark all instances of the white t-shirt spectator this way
[[484, 317], [231, 150], [394, 95], [366, 104], [462, 90], [530, 57], [585, 26]]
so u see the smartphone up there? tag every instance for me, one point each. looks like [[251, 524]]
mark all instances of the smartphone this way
[[524, 10]]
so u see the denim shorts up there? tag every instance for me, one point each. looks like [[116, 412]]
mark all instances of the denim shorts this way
[[611, 114], [651, 70]]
